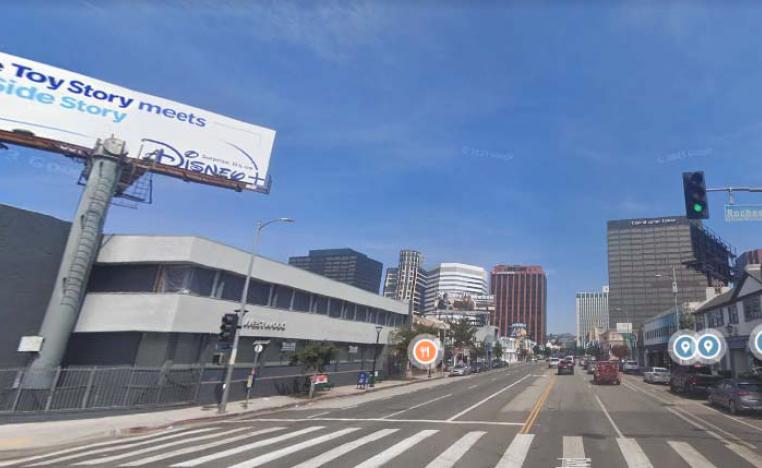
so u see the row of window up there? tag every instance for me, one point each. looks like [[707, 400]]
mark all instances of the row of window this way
[[752, 310], [206, 282]]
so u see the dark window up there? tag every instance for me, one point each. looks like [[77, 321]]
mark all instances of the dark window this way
[[202, 281], [175, 278], [301, 301], [320, 304], [381, 317], [751, 308], [362, 313], [230, 287], [371, 315], [283, 297], [733, 314], [335, 308], [123, 278], [349, 311], [259, 293]]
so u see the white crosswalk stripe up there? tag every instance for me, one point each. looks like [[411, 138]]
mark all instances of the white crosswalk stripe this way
[[244, 448], [573, 452], [746, 454], [268, 457], [335, 453], [632, 453], [199, 448], [122, 447], [396, 449], [690, 455], [456, 451], [153, 448], [18, 461], [516, 453]]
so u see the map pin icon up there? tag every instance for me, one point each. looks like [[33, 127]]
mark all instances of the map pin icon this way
[[708, 345], [685, 346]]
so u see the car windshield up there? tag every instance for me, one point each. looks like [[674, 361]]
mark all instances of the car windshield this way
[[381, 233]]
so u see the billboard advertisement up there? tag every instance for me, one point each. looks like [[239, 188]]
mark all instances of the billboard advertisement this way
[[75, 109]]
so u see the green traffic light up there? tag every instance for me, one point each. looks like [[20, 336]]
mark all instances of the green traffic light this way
[[698, 207]]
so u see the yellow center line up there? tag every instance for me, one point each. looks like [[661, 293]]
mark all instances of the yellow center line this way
[[537, 408]]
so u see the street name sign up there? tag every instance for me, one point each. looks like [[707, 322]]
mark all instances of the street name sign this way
[[735, 213]]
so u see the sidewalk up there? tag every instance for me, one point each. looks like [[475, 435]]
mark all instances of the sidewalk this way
[[38, 435]]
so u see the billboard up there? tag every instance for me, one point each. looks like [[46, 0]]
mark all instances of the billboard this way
[[174, 138]]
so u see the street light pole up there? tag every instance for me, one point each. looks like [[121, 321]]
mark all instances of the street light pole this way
[[375, 356], [242, 312]]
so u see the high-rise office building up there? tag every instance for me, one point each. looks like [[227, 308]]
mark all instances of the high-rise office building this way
[[411, 279], [456, 280], [390, 282], [345, 265], [520, 293], [641, 256], [592, 312]]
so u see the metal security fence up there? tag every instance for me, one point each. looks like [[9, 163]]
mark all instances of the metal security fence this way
[[24, 391]]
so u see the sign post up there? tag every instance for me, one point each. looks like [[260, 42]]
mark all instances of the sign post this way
[[259, 346]]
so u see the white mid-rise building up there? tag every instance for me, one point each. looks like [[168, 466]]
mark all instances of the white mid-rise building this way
[[592, 312], [455, 280]]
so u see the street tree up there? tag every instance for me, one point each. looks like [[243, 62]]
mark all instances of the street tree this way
[[620, 351], [497, 351], [463, 333], [315, 356]]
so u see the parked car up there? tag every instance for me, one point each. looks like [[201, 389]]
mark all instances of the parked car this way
[[583, 362], [552, 362], [607, 372], [590, 365], [478, 367], [630, 367], [656, 375], [737, 395], [693, 380], [459, 370], [566, 366]]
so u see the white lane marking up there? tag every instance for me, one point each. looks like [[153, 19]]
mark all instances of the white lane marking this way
[[335, 453], [153, 448], [472, 387], [746, 454], [199, 448], [318, 414], [608, 416], [431, 421], [632, 453], [573, 447], [516, 453], [268, 457], [396, 449], [89, 446], [243, 448], [484, 400], [690, 455], [416, 406], [456, 451], [122, 447]]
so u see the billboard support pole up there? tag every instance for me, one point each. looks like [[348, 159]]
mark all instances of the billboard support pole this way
[[81, 249]]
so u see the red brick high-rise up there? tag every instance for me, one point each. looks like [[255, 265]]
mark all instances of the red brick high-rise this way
[[520, 293]]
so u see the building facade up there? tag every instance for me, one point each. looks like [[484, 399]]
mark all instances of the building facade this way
[[750, 257], [520, 294], [592, 312], [455, 280], [641, 256], [345, 265], [390, 282], [411, 279]]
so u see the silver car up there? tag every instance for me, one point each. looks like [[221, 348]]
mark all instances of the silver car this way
[[737, 395], [656, 375]]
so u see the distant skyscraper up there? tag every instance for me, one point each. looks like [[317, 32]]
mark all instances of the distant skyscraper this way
[[456, 280], [750, 257], [520, 293], [639, 249], [390, 282], [592, 312], [345, 265], [411, 279]]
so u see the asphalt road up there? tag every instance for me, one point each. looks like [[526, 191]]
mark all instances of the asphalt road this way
[[523, 416]]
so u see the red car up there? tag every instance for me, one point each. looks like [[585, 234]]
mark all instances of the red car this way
[[566, 366], [607, 372]]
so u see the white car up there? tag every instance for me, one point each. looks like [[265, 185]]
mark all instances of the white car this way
[[657, 375], [630, 367], [552, 362]]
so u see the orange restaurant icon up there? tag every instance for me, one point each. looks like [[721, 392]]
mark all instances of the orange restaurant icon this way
[[425, 351]]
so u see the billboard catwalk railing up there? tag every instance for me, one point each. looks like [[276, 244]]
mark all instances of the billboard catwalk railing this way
[[124, 388]]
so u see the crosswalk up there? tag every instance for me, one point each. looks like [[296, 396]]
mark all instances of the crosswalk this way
[[374, 446]]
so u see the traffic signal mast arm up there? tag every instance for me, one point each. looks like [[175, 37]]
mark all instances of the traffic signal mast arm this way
[[730, 191]]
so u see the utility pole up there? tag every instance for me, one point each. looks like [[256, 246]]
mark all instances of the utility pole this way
[[82, 246]]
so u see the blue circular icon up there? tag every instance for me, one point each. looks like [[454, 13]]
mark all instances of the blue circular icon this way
[[685, 347], [755, 342], [711, 346]]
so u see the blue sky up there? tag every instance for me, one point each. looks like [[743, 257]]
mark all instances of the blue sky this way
[[497, 133]]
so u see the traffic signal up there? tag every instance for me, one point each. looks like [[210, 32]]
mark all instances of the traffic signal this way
[[228, 327], [694, 188]]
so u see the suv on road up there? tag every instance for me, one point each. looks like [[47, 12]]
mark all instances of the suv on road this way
[[693, 380], [552, 362], [630, 367], [566, 366]]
